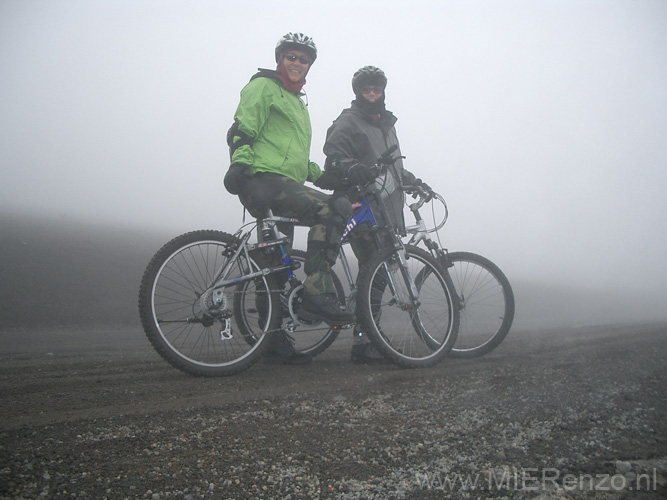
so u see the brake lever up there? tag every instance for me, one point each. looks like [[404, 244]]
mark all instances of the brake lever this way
[[384, 157]]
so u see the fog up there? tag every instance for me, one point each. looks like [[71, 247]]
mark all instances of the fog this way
[[542, 123]]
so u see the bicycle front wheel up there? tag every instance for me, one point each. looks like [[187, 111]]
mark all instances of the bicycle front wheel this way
[[486, 304], [190, 322], [411, 331]]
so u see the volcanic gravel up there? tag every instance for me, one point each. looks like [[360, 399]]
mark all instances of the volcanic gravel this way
[[572, 413]]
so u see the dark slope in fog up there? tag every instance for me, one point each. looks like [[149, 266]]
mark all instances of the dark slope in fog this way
[[58, 272], [68, 273]]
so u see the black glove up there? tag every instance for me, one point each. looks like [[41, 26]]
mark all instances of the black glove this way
[[329, 181], [235, 176], [360, 174], [422, 185]]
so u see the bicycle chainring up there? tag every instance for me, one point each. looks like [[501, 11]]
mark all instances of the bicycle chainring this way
[[293, 303]]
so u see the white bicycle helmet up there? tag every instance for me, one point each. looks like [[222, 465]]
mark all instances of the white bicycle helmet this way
[[297, 41]]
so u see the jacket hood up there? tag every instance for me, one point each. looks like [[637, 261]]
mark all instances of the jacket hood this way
[[294, 88]]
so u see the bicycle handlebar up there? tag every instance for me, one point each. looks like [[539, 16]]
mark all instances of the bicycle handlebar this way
[[419, 192], [386, 158]]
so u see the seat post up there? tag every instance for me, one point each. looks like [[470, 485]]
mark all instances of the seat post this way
[[267, 231]]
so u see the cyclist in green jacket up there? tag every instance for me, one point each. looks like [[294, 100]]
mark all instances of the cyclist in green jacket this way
[[270, 162]]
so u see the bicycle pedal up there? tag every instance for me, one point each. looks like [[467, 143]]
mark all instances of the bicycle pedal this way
[[344, 327]]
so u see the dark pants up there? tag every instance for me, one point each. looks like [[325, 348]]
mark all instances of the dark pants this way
[[312, 209]]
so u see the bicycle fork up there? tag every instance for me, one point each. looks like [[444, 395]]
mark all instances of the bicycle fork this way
[[406, 296], [438, 254]]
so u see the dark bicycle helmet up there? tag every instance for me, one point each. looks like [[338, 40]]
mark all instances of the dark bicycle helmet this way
[[368, 75], [297, 41]]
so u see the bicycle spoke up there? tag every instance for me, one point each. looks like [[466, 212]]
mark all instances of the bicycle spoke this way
[[191, 324]]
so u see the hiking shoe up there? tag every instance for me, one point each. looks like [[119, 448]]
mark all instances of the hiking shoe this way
[[324, 307], [281, 350], [366, 354]]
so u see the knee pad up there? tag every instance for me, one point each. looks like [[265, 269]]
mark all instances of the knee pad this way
[[341, 209], [328, 248]]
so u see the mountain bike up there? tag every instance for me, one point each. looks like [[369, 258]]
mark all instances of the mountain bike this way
[[486, 299], [209, 301]]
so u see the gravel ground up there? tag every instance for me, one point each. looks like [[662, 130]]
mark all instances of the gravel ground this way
[[563, 414]]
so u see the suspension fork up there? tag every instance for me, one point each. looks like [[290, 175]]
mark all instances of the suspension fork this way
[[440, 255], [399, 252], [404, 273]]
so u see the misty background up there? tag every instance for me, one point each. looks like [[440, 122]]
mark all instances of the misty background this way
[[542, 123]]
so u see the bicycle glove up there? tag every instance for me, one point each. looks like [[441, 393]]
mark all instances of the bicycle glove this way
[[329, 181], [360, 174], [421, 184]]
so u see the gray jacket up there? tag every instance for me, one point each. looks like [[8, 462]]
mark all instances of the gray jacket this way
[[356, 135]]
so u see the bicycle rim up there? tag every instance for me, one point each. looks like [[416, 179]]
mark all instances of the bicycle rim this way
[[487, 304], [411, 334], [190, 324]]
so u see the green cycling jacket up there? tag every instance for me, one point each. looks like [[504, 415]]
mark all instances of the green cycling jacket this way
[[278, 125]]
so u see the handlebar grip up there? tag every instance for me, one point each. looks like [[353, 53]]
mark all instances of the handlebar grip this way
[[418, 191]]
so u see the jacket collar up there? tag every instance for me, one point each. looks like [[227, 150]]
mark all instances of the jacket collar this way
[[273, 75], [385, 121]]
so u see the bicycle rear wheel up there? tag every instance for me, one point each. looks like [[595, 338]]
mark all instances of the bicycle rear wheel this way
[[410, 333], [486, 300], [191, 324]]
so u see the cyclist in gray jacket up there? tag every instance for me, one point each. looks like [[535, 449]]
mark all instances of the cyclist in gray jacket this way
[[354, 142]]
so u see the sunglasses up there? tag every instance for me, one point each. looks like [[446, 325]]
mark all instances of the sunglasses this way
[[374, 90], [293, 57]]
